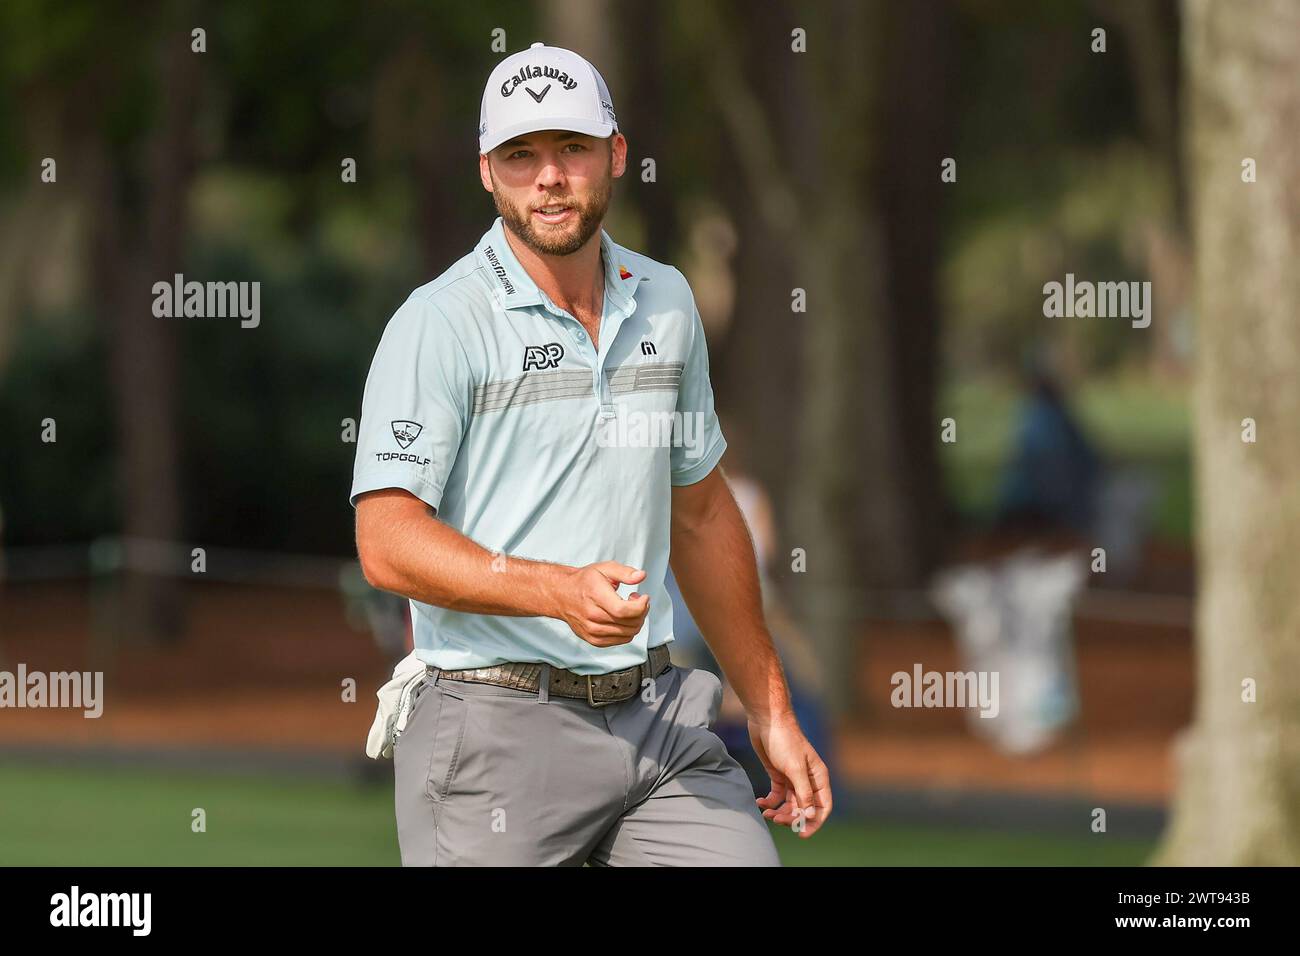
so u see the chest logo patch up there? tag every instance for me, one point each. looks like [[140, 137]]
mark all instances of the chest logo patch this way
[[543, 356], [406, 432]]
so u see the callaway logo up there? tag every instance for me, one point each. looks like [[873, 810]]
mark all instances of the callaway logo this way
[[538, 96], [543, 356], [406, 432], [534, 72]]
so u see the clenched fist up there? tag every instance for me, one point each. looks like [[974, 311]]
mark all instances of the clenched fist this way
[[590, 604]]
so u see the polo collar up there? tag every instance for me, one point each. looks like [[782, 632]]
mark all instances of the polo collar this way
[[513, 288]]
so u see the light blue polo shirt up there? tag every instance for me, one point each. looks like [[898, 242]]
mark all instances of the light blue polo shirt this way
[[489, 403]]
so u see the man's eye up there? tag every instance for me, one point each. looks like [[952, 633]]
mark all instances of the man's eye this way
[[574, 146], [518, 154]]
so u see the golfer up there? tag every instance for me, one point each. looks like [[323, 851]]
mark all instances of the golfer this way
[[537, 439]]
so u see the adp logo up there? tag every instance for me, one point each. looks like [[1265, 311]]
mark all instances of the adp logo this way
[[543, 356]]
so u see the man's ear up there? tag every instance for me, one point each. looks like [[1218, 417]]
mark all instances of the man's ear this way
[[618, 155], [485, 172]]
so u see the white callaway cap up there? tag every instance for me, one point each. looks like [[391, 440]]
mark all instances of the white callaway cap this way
[[544, 87]]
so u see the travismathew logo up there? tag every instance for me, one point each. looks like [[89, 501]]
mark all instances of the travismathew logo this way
[[406, 432], [535, 72], [499, 269]]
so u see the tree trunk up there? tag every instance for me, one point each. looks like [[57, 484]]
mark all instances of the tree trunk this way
[[917, 123], [1238, 801], [645, 109], [802, 130], [1152, 31], [758, 365], [133, 245]]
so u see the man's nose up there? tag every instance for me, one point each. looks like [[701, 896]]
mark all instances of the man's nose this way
[[551, 174]]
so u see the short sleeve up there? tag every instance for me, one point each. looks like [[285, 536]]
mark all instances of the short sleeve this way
[[702, 445], [415, 408]]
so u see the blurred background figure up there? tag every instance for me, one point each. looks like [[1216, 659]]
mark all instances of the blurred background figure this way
[[1051, 482], [1012, 618], [1011, 615], [1057, 483]]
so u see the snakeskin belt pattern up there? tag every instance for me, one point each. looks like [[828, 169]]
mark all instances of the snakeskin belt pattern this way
[[596, 689]]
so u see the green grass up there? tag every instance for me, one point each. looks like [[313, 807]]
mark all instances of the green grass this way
[[87, 817], [134, 818], [1136, 423], [853, 843]]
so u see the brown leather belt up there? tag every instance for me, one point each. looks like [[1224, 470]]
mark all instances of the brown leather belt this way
[[598, 690]]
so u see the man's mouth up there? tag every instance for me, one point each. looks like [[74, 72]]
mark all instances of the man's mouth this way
[[554, 213]]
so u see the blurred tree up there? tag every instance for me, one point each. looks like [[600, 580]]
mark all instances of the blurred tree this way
[[647, 112], [917, 123], [1152, 33], [118, 99], [758, 367], [853, 378], [138, 192], [1238, 801]]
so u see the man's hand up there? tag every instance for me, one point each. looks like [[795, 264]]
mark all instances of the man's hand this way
[[801, 786], [590, 604]]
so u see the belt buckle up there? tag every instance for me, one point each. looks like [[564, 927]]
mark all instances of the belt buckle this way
[[591, 699]]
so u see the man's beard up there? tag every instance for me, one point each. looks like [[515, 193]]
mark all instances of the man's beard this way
[[546, 242]]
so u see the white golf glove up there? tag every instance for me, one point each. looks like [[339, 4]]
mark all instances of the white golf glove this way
[[394, 706]]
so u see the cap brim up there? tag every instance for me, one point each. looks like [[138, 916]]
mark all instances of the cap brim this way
[[588, 127]]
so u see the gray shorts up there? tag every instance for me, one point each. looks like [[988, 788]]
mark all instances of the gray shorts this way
[[491, 776]]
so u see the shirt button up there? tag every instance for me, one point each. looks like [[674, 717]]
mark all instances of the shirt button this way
[[580, 335]]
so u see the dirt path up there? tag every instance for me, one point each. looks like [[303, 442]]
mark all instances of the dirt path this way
[[264, 669]]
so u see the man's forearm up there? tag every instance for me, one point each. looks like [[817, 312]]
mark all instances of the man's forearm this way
[[713, 561], [422, 558]]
